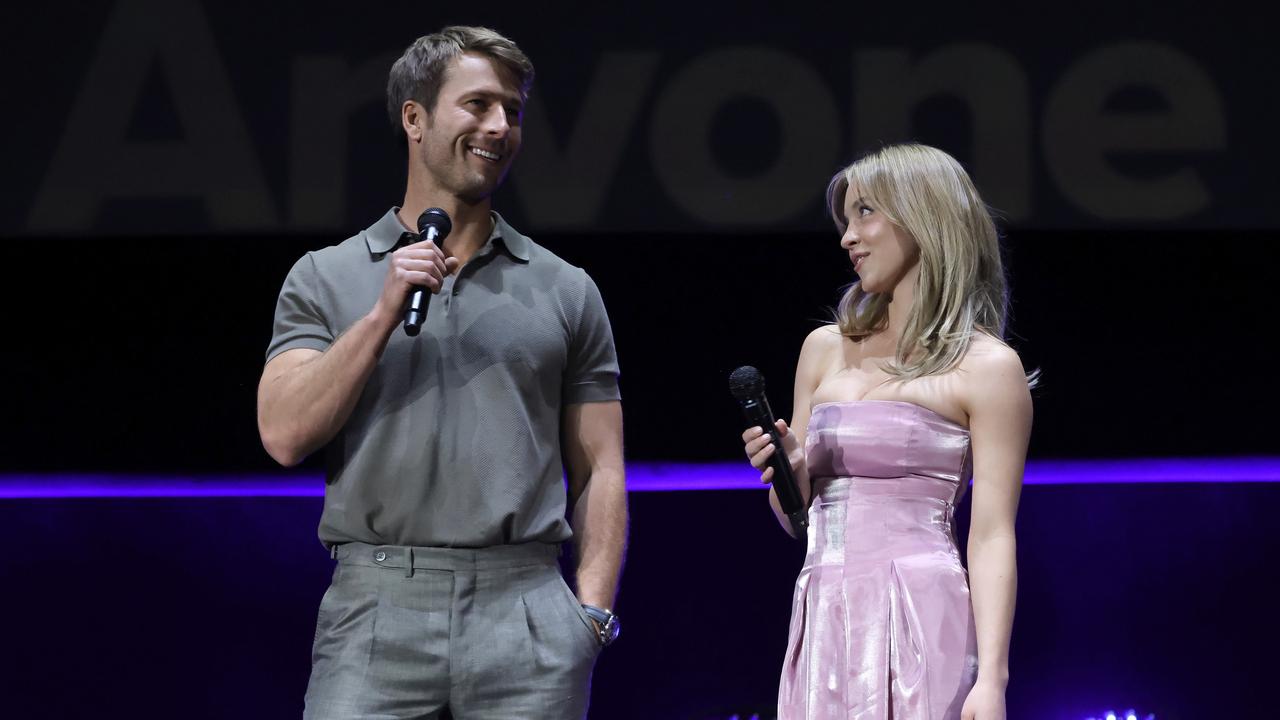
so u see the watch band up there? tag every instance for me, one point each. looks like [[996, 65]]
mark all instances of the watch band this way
[[608, 622]]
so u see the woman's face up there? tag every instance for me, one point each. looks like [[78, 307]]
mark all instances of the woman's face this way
[[882, 253]]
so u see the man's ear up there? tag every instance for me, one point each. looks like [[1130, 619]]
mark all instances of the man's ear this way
[[413, 119]]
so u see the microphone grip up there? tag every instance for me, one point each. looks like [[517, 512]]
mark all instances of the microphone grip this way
[[784, 482], [416, 313]]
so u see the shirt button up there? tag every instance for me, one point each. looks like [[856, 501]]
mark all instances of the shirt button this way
[[379, 556], [455, 292]]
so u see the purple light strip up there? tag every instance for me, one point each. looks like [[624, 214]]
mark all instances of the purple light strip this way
[[641, 477]]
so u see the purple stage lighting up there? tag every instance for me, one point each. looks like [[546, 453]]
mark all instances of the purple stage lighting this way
[[1128, 715], [641, 477]]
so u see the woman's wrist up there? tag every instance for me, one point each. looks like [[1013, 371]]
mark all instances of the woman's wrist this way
[[998, 677]]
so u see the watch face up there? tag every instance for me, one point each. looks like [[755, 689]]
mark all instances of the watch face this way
[[607, 622]]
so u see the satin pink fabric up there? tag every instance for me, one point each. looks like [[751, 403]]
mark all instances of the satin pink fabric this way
[[881, 623]]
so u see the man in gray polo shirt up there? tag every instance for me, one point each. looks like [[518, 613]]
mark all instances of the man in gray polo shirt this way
[[444, 501]]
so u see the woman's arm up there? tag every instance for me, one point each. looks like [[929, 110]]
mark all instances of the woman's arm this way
[[999, 406], [815, 356]]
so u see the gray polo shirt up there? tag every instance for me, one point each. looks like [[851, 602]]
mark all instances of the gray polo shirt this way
[[455, 440]]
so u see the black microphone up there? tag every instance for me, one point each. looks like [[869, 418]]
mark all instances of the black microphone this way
[[433, 225], [747, 385]]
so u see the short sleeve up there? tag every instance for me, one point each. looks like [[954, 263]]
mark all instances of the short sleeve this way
[[591, 374], [299, 322]]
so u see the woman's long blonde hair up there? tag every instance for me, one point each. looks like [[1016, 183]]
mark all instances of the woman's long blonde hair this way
[[961, 288]]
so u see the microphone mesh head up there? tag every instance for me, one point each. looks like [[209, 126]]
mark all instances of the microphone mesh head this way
[[746, 382], [435, 217]]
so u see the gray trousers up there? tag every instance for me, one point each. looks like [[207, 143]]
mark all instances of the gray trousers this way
[[486, 634]]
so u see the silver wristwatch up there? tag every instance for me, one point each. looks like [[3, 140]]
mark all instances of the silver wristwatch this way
[[608, 622]]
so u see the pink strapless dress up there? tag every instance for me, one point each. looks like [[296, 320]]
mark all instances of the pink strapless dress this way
[[881, 623]]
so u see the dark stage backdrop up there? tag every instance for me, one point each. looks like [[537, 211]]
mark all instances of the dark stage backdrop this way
[[162, 117], [1149, 343]]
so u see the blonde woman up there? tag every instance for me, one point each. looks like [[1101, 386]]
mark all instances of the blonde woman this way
[[908, 395]]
